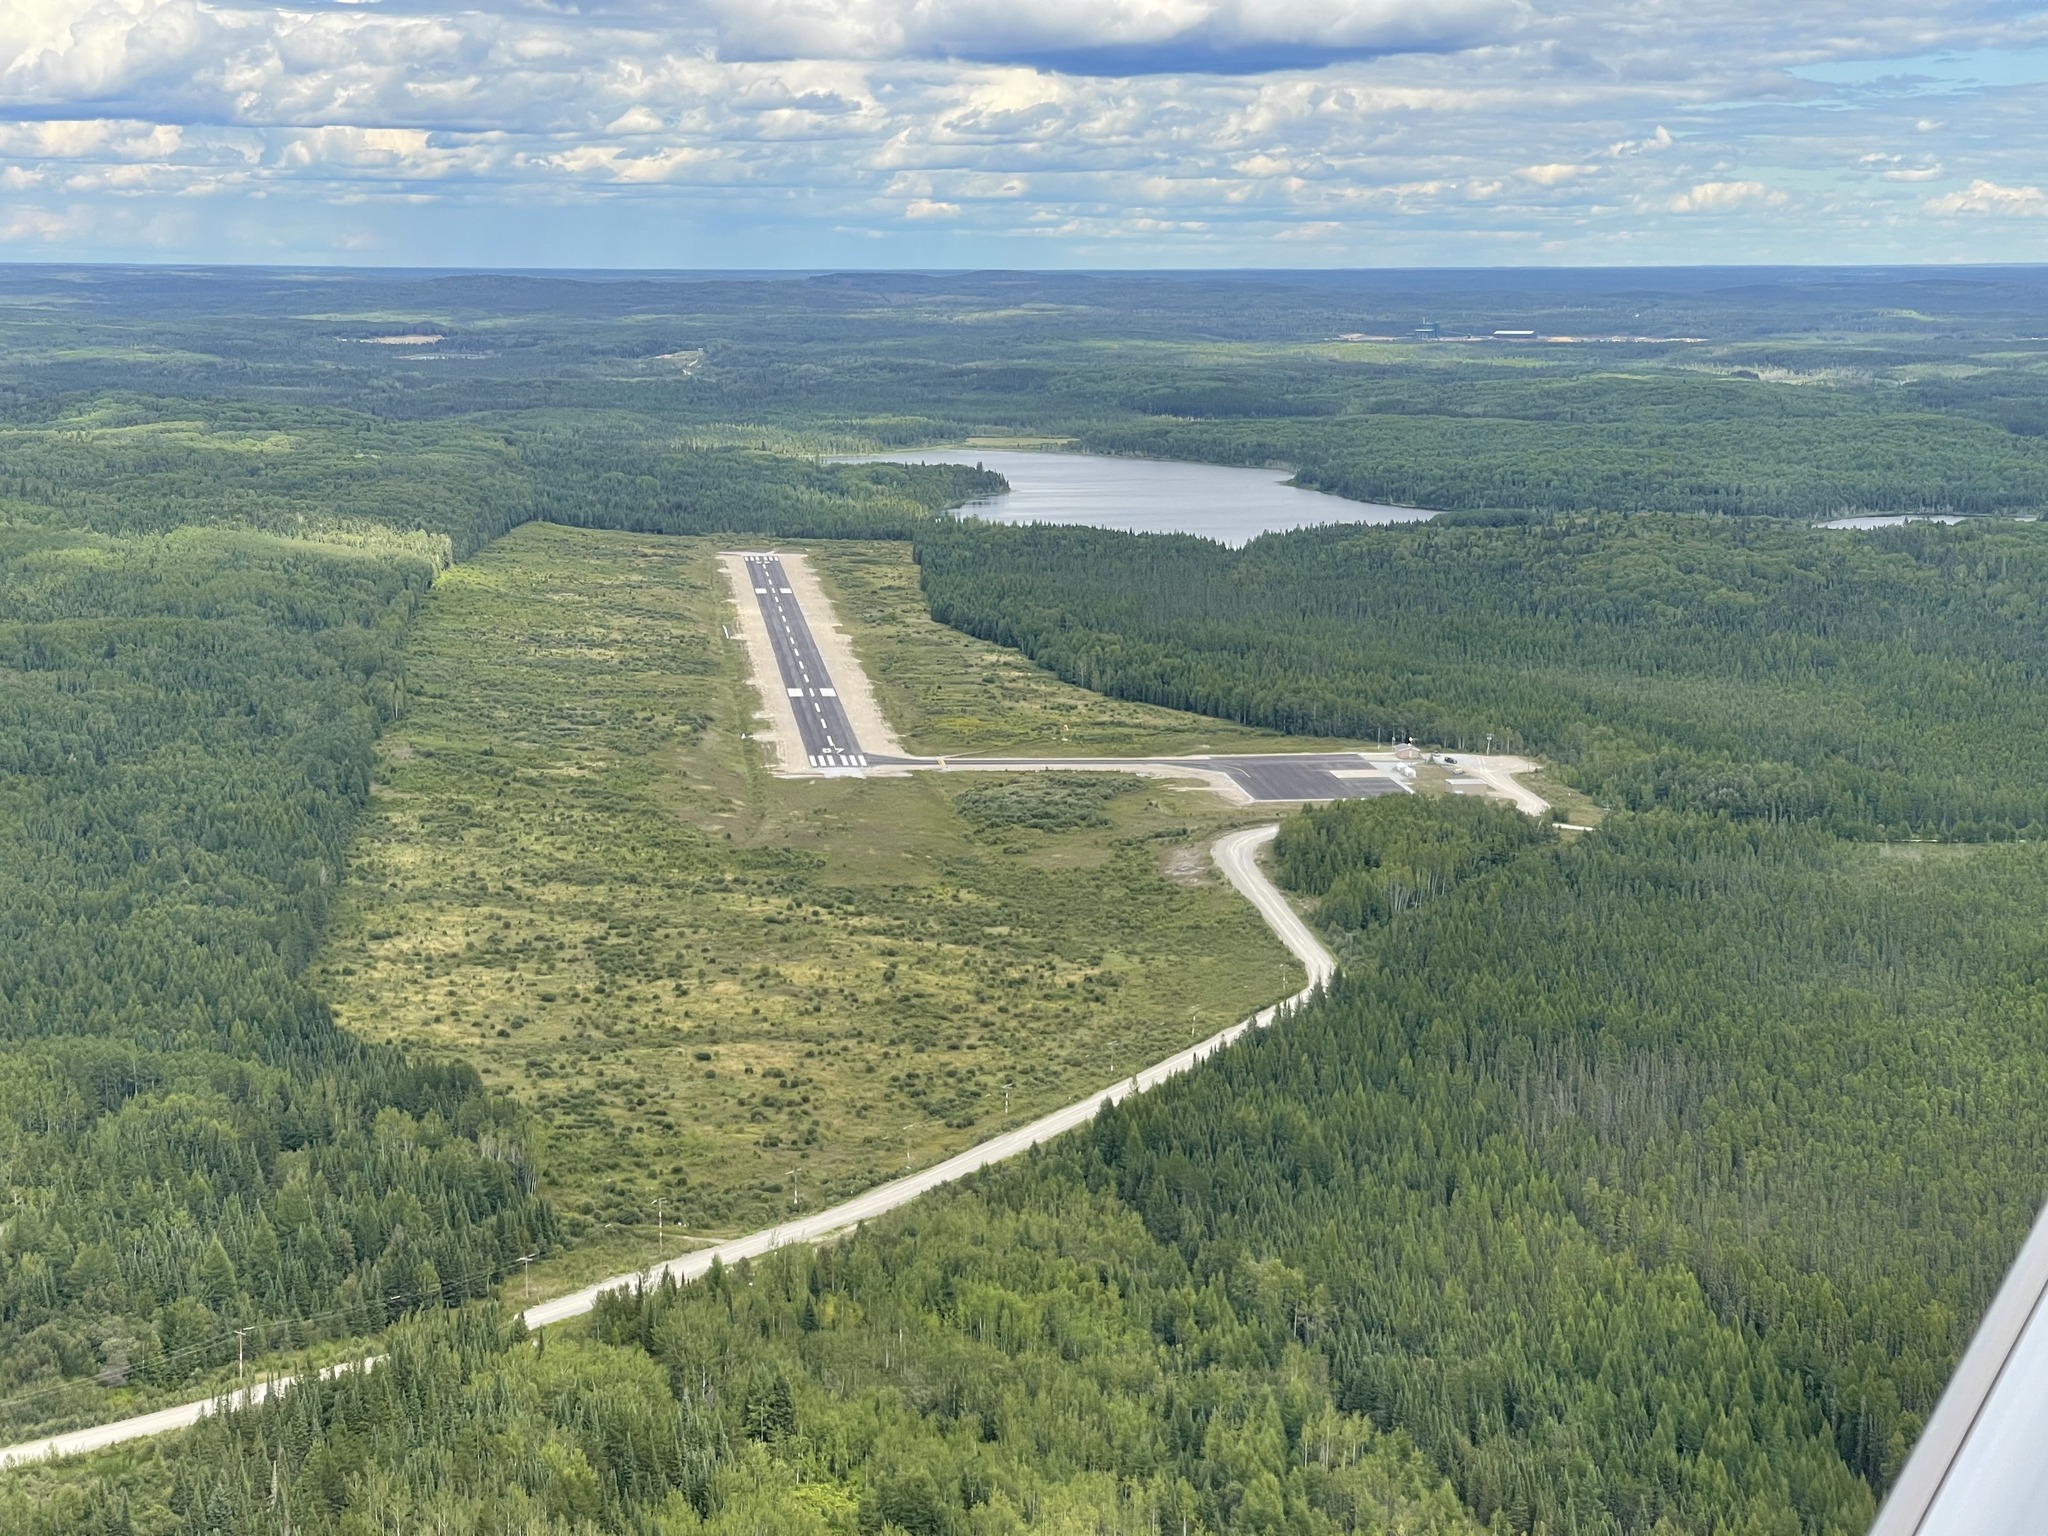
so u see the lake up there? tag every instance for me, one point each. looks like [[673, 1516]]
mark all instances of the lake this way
[[1889, 519], [1231, 506]]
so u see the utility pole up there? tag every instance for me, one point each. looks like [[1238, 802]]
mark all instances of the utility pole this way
[[240, 1335], [792, 1188], [1489, 743], [527, 1259], [1006, 1095], [658, 1203]]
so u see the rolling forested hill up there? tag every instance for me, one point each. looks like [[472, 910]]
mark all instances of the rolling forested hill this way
[[191, 1145], [1783, 393], [1881, 684], [200, 1162], [1031, 1360], [1651, 1182], [1660, 1176], [1648, 1182]]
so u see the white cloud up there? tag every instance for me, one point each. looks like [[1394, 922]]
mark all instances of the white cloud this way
[[361, 149], [1989, 197], [1553, 175], [1182, 30], [1896, 167], [635, 120], [24, 223], [1725, 197], [1263, 165], [1002, 118], [1656, 143], [90, 138]]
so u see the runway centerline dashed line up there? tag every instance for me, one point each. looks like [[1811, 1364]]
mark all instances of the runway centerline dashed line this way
[[825, 732]]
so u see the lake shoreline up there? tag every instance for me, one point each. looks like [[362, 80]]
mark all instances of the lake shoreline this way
[[1229, 503]]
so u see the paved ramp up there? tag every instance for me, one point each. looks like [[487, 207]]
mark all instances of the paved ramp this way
[[1277, 778], [1309, 776]]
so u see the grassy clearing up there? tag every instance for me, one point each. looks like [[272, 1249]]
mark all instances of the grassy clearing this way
[[1573, 805], [726, 991], [947, 692]]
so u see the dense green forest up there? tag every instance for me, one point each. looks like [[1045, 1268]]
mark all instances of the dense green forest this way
[[1365, 866], [123, 464], [198, 1158], [1643, 1183], [1031, 1360], [1653, 1177], [1661, 445], [190, 1145], [1882, 684], [1780, 393]]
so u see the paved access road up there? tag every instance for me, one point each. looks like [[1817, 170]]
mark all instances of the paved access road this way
[[1236, 856], [821, 721]]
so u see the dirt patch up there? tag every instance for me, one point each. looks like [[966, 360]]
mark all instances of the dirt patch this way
[[1187, 866]]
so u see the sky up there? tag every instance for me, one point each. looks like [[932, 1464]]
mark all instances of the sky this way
[[1022, 133]]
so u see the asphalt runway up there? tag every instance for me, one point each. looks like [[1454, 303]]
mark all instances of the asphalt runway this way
[[828, 738]]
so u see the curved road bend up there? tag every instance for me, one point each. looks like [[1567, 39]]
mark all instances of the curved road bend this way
[[1236, 856]]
